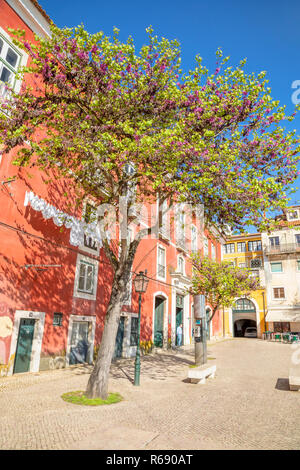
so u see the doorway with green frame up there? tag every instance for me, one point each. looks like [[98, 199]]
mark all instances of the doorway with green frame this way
[[119, 339], [24, 345], [179, 315]]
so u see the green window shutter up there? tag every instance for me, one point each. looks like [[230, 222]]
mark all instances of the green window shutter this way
[[276, 267]]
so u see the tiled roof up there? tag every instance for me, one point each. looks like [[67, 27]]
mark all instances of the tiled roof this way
[[41, 10]]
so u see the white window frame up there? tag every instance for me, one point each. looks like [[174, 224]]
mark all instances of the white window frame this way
[[78, 293], [239, 250], [213, 251], [226, 252], [205, 246], [256, 243], [194, 238], [273, 238], [181, 258], [160, 247], [22, 61], [297, 243], [292, 218], [180, 228]]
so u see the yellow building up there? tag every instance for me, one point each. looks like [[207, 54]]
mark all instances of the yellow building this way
[[245, 251]]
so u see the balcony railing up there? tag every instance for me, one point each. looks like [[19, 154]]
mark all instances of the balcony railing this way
[[164, 233], [282, 248], [181, 243], [90, 243]]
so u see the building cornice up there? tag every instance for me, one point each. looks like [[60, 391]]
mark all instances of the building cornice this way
[[33, 15]]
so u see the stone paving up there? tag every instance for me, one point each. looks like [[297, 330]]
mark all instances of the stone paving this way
[[247, 406]]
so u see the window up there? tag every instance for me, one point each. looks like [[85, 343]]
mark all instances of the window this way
[[57, 319], [242, 265], [276, 267], [297, 238], [161, 262], [255, 263], [213, 251], [193, 238], [86, 277], [254, 246], [229, 248], [298, 264], [278, 293], [134, 331], [181, 265], [293, 215], [241, 247], [9, 63], [205, 246], [274, 241], [281, 327], [244, 305]]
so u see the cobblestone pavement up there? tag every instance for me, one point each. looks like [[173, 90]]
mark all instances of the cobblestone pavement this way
[[247, 406]]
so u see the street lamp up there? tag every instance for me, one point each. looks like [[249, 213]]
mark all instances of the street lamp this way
[[140, 286]]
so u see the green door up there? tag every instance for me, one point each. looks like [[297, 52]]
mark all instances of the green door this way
[[179, 313], [24, 346], [159, 322], [119, 339]]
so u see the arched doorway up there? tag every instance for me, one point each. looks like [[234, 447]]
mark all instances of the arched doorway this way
[[159, 310], [243, 316]]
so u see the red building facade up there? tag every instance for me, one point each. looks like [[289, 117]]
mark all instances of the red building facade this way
[[55, 281]]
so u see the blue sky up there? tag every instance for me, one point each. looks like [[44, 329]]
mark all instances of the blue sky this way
[[266, 32]]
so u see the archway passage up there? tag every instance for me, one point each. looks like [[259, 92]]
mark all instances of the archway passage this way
[[241, 325], [243, 316]]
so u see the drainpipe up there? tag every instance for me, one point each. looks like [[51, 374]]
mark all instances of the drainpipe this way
[[263, 296]]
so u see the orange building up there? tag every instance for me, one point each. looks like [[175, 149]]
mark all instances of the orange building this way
[[55, 280]]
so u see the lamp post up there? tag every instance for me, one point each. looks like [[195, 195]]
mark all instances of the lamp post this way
[[140, 286]]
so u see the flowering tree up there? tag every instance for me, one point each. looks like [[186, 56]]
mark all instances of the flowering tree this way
[[99, 107], [220, 282]]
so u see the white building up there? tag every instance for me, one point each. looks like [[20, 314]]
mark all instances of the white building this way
[[281, 250]]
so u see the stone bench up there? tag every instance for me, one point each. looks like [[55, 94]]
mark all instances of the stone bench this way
[[200, 373], [294, 378]]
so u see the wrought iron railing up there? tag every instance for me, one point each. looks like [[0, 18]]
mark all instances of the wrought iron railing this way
[[181, 243], [282, 248], [90, 243]]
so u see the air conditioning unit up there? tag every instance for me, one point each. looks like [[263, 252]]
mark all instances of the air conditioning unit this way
[[256, 263]]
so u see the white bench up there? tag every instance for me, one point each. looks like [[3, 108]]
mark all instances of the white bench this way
[[294, 378], [200, 373]]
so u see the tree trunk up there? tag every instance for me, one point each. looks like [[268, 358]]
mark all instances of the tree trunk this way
[[98, 382], [97, 386]]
